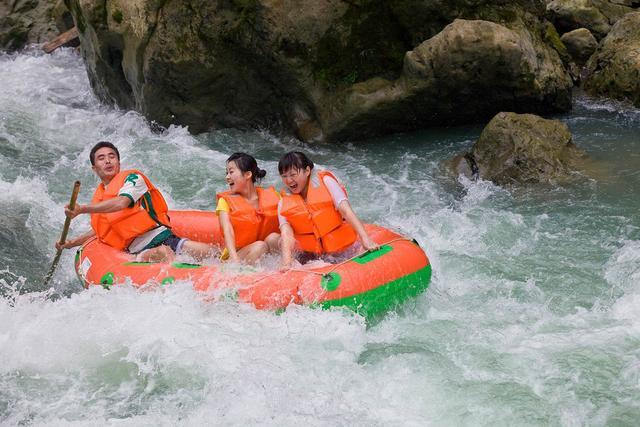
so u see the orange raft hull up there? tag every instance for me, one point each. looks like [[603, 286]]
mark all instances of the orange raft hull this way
[[371, 283]]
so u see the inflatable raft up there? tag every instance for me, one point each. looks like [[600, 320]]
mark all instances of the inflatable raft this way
[[371, 283]]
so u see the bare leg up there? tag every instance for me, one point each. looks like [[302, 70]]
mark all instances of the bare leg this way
[[251, 253], [162, 253], [199, 250], [273, 242]]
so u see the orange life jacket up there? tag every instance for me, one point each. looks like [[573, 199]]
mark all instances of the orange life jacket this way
[[317, 225], [118, 229], [249, 224]]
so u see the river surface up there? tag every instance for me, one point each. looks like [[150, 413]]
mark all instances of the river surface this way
[[532, 316]]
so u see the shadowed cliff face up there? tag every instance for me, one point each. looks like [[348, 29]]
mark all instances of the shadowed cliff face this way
[[323, 71]]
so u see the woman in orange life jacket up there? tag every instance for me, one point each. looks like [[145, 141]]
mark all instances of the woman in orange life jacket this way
[[248, 214], [315, 215]]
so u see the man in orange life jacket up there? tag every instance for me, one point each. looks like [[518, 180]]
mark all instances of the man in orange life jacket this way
[[129, 213]]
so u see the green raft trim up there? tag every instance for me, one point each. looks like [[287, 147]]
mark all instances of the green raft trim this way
[[385, 297], [107, 280], [331, 281], [185, 265]]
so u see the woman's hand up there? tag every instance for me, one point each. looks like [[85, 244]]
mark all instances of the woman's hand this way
[[352, 219], [369, 244], [285, 265]]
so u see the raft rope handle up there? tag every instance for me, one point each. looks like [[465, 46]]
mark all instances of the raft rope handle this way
[[335, 266]]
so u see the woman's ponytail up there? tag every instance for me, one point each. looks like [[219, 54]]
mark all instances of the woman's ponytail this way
[[247, 163]]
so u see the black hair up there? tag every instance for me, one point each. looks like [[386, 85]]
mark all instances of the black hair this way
[[99, 145], [247, 163], [293, 160]]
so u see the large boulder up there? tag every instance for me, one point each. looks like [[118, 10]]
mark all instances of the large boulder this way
[[614, 70], [521, 148], [321, 70], [580, 44], [595, 15], [24, 22], [464, 73]]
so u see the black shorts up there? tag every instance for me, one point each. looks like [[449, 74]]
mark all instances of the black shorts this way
[[173, 241]]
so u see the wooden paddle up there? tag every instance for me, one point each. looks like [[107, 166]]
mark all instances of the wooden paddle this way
[[65, 230]]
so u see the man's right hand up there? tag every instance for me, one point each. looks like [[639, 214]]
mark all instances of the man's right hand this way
[[65, 245], [77, 210]]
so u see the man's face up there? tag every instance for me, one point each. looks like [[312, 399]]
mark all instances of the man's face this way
[[106, 164]]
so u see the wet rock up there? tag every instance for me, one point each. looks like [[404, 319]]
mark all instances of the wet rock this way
[[580, 44], [521, 148], [62, 16], [596, 15], [614, 70], [628, 3], [323, 71], [23, 22], [464, 73]]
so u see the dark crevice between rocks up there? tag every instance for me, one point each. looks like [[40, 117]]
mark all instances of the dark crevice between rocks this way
[[114, 86], [374, 46], [140, 53]]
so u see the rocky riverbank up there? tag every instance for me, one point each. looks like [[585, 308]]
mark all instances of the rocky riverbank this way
[[344, 70], [24, 22]]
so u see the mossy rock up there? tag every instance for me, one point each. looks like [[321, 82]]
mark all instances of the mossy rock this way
[[580, 44], [554, 39], [329, 70], [522, 148], [614, 69], [26, 22]]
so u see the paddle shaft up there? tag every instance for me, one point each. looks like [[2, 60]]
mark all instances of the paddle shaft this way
[[65, 231]]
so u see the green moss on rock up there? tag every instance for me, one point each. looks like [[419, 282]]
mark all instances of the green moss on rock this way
[[76, 12], [553, 38], [117, 16]]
